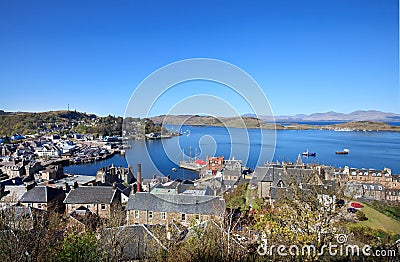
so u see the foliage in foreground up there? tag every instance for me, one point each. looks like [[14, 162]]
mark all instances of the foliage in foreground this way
[[79, 248]]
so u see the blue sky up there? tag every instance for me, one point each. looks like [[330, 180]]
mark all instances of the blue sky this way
[[308, 56]]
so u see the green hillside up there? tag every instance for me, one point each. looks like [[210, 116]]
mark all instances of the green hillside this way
[[62, 121], [378, 220]]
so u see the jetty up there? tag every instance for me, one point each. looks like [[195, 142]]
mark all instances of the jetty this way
[[190, 165]]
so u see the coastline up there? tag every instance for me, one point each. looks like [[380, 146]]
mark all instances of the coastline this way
[[359, 126]]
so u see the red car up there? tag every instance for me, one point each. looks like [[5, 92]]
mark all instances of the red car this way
[[356, 205]]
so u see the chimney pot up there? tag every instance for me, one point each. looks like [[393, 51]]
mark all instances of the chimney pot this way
[[139, 177]]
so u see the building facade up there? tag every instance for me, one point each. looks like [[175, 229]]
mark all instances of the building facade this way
[[155, 209]]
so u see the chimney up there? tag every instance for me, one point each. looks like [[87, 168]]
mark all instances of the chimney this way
[[139, 177]]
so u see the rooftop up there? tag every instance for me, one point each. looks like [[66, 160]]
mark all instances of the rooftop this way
[[190, 204], [90, 195], [40, 194]]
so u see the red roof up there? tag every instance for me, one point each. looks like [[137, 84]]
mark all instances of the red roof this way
[[200, 162]]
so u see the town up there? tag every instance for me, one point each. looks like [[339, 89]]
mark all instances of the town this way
[[158, 213]]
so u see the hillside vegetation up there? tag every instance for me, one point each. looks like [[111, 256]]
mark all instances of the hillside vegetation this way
[[62, 121], [196, 120], [380, 221]]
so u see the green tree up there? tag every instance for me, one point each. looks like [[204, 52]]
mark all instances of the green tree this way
[[305, 214], [82, 247]]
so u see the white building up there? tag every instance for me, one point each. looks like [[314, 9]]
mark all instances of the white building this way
[[49, 150]]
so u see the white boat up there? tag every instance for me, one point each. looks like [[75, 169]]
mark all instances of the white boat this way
[[308, 153], [344, 152]]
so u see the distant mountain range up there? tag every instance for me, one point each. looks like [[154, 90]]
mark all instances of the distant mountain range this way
[[360, 115]]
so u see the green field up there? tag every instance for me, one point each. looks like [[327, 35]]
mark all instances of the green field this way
[[380, 221]]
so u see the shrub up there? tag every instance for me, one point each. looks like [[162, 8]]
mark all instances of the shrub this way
[[82, 247], [361, 216]]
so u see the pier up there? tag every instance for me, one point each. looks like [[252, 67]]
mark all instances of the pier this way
[[189, 165]]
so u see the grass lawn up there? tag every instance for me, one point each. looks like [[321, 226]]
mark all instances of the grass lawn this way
[[379, 220]]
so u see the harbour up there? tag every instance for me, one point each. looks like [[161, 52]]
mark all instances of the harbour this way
[[383, 148]]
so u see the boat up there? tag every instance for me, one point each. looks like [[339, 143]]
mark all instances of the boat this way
[[153, 136], [308, 153], [174, 169], [344, 152]]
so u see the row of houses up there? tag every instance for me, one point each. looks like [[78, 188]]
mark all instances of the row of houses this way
[[273, 178], [29, 170], [357, 183], [177, 201]]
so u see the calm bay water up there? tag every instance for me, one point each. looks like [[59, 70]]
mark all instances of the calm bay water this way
[[367, 149]]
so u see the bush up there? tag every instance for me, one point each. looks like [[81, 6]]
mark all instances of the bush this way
[[361, 216], [236, 199], [82, 247], [371, 236]]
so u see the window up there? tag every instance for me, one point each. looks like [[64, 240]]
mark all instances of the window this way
[[29, 204], [103, 206], [136, 214], [183, 217], [163, 216], [39, 205], [150, 215], [72, 206], [197, 217], [88, 206]]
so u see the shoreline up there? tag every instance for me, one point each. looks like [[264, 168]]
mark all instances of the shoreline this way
[[335, 127]]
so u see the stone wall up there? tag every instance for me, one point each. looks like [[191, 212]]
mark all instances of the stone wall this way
[[163, 218]]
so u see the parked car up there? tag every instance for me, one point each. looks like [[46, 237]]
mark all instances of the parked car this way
[[340, 202], [351, 210], [356, 205]]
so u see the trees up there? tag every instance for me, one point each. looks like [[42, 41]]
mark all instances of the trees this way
[[26, 234], [236, 199], [304, 215], [82, 247]]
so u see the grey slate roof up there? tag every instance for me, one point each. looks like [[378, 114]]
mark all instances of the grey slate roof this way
[[13, 193], [126, 191], [276, 174], [138, 242], [189, 204], [90, 195], [41, 194], [234, 172]]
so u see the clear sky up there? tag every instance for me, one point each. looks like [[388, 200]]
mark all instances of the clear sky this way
[[308, 56]]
